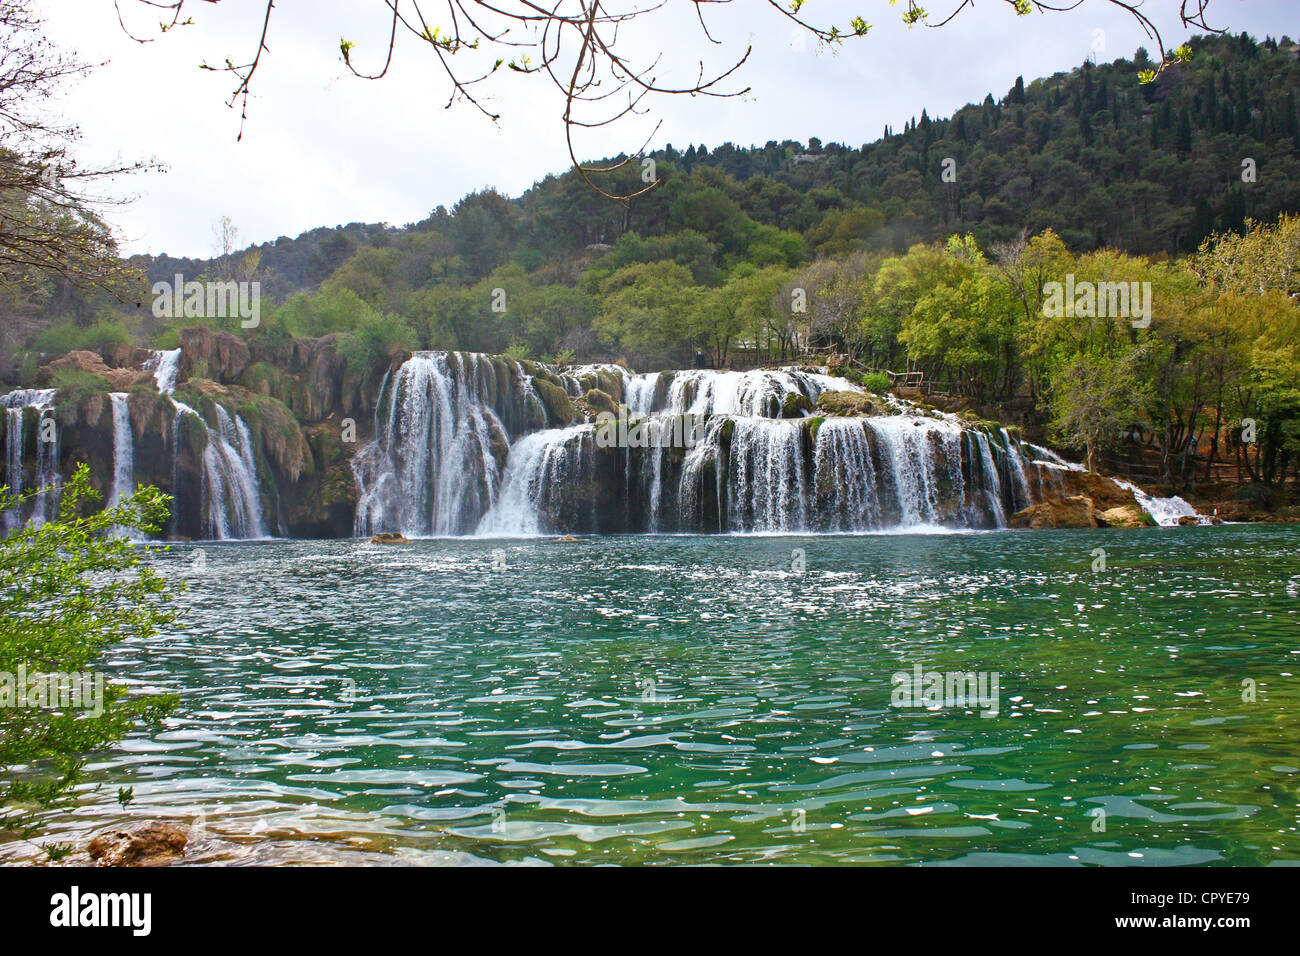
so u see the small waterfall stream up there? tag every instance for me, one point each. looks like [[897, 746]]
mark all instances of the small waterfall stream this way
[[123, 450], [46, 473]]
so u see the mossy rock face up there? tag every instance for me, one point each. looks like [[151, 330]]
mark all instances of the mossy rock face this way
[[274, 425], [727, 430], [795, 405], [845, 403], [559, 408], [610, 383], [600, 401], [814, 425]]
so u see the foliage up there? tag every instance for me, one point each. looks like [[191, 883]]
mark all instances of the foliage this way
[[69, 589]]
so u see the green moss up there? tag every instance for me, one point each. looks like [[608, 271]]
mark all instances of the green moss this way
[[559, 409], [845, 403], [814, 425], [794, 405], [600, 401]]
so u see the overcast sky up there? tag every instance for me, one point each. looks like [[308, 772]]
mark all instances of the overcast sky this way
[[322, 148]]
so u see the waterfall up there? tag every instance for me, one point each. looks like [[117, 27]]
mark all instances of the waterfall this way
[[432, 470], [639, 393], [441, 443], [766, 483], [1020, 483], [123, 450], [923, 458], [46, 474], [991, 485], [848, 491], [165, 367], [545, 469], [230, 487], [755, 394]]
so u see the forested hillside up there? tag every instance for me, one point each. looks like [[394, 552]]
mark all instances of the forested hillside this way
[[925, 250]]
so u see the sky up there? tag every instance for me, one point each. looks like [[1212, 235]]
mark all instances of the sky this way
[[321, 147]]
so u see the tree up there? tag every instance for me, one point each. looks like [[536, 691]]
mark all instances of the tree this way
[[69, 589], [48, 219], [582, 49], [1095, 400]]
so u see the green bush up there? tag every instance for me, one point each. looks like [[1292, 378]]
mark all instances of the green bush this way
[[877, 382], [68, 590], [65, 337]]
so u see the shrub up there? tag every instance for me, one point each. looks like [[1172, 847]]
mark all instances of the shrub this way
[[877, 382], [68, 590]]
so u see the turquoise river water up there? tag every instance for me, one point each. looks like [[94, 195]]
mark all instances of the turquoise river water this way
[[723, 699]]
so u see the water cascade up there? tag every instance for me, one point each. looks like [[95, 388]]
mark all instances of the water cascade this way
[[758, 466], [46, 472], [230, 488], [123, 450], [443, 431]]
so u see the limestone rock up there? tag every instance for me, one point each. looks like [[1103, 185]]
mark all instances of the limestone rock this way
[[144, 844], [1124, 516], [1076, 511]]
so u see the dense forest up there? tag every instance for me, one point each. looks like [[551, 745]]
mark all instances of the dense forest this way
[[926, 251]]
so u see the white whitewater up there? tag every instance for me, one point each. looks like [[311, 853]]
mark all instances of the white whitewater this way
[[767, 487], [431, 469], [1165, 511], [165, 366], [541, 465], [754, 394], [123, 450], [47, 475], [230, 487]]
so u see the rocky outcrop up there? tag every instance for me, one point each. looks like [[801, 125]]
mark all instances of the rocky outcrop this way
[[845, 403], [92, 363], [144, 844], [1124, 516], [1076, 511], [1105, 494], [215, 355]]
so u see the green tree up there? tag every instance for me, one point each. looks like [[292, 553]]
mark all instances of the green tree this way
[[69, 589]]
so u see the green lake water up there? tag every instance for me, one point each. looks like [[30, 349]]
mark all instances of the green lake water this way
[[703, 700]]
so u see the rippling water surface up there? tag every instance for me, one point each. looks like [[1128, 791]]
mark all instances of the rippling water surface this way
[[698, 700]]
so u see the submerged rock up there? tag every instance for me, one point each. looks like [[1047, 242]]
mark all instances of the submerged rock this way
[[145, 844], [565, 539], [390, 537]]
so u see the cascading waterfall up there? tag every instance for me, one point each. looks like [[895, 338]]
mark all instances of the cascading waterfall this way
[[754, 394], [1020, 482], [544, 469], [766, 481], [442, 437], [230, 487], [123, 450], [46, 472], [752, 471], [165, 366]]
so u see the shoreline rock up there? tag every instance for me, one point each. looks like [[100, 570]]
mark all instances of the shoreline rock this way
[[145, 844]]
